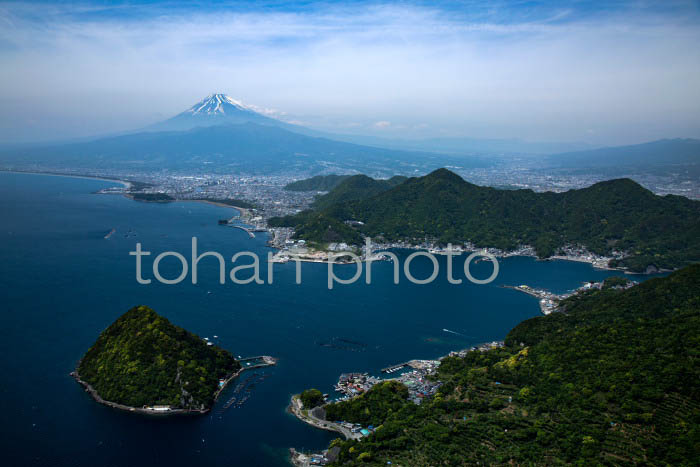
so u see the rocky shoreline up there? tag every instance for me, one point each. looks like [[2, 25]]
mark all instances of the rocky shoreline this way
[[126, 408], [161, 413]]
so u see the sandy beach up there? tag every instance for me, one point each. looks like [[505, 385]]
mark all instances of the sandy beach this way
[[126, 184]]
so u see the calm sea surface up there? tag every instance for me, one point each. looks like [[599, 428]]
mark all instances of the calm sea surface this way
[[62, 283]]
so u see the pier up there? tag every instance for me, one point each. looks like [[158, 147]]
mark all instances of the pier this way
[[394, 368], [257, 362], [249, 231], [548, 301]]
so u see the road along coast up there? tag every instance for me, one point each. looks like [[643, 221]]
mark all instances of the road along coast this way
[[160, 411]]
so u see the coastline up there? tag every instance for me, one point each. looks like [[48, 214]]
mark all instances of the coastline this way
[[300, 459], [125, 183], [242, 212], [321, 256], [269, 361], [126, 408], [296, 409]]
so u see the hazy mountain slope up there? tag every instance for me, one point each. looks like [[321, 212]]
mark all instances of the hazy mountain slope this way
[[466, 146], [247, 147], [656, 153]]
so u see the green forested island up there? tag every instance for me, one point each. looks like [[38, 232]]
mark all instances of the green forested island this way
[[612, 380], [142, 360], [616, 215]]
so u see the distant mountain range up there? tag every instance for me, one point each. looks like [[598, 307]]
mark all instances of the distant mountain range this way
[[245, 147], [220, 109], [468, 146], [220, 133], [656, 153], [656, 231]]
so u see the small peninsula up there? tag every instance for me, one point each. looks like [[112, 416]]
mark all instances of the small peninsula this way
[[146, 364]]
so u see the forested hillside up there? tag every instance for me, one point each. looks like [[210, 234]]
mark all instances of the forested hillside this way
[[143, 359], [317, 183], [613, 380], [615, 215]]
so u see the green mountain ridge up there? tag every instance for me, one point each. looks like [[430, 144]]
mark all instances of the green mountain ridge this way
[[355, 188], [614, 215], [613, 380], [143, 360], [317, 183]]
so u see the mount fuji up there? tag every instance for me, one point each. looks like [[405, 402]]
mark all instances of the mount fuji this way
[[220, 109], [222, 134]]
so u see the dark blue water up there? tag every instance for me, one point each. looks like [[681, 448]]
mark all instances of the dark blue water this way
[[62, 283]]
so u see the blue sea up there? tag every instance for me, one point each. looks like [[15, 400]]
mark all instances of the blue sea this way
[[62, 283]]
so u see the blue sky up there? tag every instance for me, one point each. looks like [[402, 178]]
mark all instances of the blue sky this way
[[602, 72]]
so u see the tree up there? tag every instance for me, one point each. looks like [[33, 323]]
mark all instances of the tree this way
[[311, 398]]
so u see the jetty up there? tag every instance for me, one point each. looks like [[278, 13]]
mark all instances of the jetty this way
[[257, 362], [245, 229], [548, 301], [395, 368], [249, 231]]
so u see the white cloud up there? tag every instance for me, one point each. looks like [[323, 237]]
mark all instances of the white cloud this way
[[627, 76], [382, 124]]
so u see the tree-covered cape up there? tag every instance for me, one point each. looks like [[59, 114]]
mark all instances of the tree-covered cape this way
[[612, 380], [144, 360]]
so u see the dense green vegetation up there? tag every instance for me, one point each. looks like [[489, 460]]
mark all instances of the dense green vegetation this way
[[616, 215], [355, 188], [311, 398], [152, 197], [371, 408], [317, 183], [318, 228], [143, 359], [615, 281], [239, 203], [614, 380]]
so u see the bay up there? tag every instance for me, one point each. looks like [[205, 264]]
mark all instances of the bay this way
[[62, 283]]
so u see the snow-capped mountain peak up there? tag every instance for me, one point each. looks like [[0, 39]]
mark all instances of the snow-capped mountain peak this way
[[218, 109], [218, 104]]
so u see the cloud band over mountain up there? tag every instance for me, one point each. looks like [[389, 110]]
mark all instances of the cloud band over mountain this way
[[607, 73]]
